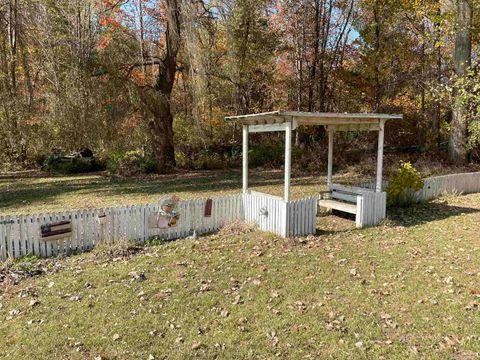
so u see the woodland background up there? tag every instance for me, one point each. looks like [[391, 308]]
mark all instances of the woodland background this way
[[150, 81]]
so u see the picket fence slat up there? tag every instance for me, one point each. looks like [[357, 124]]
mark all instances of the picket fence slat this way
[[3, 245], [21, 235]]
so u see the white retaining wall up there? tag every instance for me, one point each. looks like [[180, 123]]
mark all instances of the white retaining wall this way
[[373, 184], [21, 234]]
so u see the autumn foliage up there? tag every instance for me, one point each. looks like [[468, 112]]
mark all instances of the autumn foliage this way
[[160, 75]]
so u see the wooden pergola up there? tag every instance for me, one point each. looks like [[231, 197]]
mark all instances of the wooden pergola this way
[[288, 121]]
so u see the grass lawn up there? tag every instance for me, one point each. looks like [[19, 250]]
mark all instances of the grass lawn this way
[[407, 289], [35, 192], [38, 192]]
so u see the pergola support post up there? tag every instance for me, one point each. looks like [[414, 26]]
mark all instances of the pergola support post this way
[[381, 136], [245, 159], [330, 157], [288, 159]]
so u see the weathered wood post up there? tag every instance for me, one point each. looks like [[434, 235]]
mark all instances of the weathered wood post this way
[[330, 157], [245, 159], [288, 159], [381, 136]]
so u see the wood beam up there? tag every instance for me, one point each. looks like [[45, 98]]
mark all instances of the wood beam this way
[[288, 159], [271, 127], [330, 157], [245, 159], [381, 137]]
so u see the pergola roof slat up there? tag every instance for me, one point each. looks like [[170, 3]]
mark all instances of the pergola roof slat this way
[[313, 118]]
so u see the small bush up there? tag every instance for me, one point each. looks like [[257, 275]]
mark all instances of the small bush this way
[[207, 161], [182, 160], [148, 165], [405, 182], [267, 155], [74, 165], [112, 160], [39, 159], [131, 163]]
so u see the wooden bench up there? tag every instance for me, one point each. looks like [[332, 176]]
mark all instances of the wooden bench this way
[[367, 205], [338, 205], [342, 198]]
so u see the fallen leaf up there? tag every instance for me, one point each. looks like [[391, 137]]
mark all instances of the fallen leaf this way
[[196, 345]]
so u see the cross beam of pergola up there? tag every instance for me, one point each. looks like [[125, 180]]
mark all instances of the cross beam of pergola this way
[[289, 120]]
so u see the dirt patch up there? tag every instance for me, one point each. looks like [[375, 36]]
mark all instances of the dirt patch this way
[[119, 250], [12, 272], [236, 228]]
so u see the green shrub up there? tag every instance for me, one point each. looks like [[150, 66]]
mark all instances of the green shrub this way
[[148, 164], [112, 161], [267, 155], [39, 159], [73, 165], [131, 163], [182, 160], [207, 160], [405, 182]]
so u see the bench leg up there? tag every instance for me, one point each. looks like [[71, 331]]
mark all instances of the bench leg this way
[[359, 215]]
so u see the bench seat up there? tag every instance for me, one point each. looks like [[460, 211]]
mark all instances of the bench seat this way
[[338, 205], [368, 206]]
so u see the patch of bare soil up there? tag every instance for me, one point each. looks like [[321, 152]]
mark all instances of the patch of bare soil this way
[[236, 228]]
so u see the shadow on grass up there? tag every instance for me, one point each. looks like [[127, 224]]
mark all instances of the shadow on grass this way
[[418, 214], [422, 213], [20, 188]]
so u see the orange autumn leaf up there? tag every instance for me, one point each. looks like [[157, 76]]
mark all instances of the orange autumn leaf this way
[[105, 41]]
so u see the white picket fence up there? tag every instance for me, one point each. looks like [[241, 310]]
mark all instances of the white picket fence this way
[[461, 183], [435, 186], [302, 216], [371, 208], [268, 212], [20, 235], [273, 214]]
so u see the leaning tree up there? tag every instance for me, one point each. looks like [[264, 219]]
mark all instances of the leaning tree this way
[[140, 49]]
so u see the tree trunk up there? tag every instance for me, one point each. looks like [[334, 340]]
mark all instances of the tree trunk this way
[[378, 92], [457, 149], [421, 134], [161, 127], [315, 45], [325, 36], [142, 32], [437, 111], [157, 98]]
